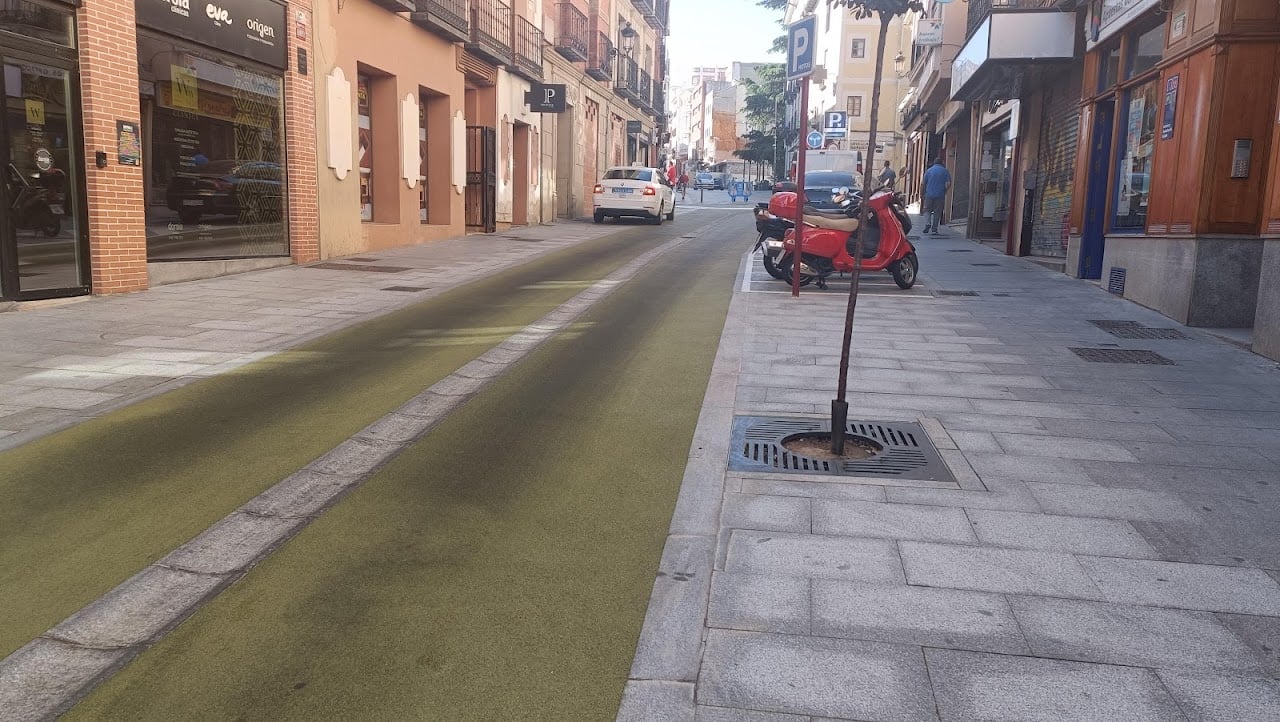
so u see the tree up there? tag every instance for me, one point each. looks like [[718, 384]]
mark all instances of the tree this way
[[779, 43], [862, 9], [763, 109]]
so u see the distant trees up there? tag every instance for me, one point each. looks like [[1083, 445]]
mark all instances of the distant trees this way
[[764, 108]]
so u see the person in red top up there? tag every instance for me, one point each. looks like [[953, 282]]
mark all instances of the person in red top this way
[[671, 173], [684, 185]]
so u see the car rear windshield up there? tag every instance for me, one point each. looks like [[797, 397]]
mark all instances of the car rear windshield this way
[[635, 174], [829, 179]]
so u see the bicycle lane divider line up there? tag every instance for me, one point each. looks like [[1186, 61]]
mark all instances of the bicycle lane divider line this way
[[47, 676]]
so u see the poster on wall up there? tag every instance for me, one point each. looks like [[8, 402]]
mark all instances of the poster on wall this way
[[128, 144], [1134, 136], [1170, 107], [365, 147]]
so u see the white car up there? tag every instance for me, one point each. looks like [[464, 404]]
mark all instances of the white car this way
[[634, 191]]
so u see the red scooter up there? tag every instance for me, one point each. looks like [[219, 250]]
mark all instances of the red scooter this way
[[829, 239]]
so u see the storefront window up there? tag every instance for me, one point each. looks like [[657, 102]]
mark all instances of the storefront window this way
[[213, 155], [1145, 49], [1133, 181], [40, 22], [1109, 68], [365, 122], [422, 158]]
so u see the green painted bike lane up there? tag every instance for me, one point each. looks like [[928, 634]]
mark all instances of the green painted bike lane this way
[[84, 509], [498, 569]]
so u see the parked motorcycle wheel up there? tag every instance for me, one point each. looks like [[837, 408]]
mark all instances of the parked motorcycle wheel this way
[[769, 266], [785, 268], [904, 271]]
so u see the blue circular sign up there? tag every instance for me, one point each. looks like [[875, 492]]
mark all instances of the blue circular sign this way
[[814, 139]]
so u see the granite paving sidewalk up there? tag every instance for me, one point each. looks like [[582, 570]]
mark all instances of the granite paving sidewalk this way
[[1108, 549]]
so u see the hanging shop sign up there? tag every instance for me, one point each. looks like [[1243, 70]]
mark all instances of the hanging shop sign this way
[[253, 29], [1107, 17], [929, 31], [546, 98]]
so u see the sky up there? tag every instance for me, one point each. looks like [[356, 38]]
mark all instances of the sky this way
[[718, 32]]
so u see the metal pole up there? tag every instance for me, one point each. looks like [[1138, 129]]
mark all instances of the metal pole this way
[[802, 148]]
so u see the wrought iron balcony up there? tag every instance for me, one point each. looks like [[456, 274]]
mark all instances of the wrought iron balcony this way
[[627, 80], [491, 31], [644, 98], [395, 6], [450, 19], [644, 6], [571, 32], [659, 105], [600, 58], [526, 40], [661, 16]]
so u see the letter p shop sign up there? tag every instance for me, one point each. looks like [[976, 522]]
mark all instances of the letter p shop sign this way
[[546, 98]]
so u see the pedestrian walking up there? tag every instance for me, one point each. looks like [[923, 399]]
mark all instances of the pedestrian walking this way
[[937, 180], [671, 173], [684, 185], [887, 176]]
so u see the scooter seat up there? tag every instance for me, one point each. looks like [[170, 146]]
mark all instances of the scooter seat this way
[[842, 223]]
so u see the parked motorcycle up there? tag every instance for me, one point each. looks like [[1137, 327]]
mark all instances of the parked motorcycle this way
[[829, 239], [36, 206]]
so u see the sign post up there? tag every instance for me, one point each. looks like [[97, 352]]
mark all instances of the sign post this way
[[800, 54]]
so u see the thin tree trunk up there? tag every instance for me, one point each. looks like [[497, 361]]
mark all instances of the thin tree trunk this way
[[839, 406]]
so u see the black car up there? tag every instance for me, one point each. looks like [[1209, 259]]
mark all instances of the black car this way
[[230, 188], [819, 184]]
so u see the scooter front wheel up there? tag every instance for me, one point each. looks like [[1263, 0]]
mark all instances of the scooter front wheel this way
[[784, 267], [904, 271]]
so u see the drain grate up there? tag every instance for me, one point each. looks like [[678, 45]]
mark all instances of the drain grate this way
[[757, 445], [955, 293], [363, 259], [407, 289], [1133, 329], [1001, 295], [1122, 356], [354, 267], [959, 250]]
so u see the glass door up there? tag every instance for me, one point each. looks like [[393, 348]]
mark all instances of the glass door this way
[[41, 239]]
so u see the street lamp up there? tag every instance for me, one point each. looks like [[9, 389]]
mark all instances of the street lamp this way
[[628, 43]]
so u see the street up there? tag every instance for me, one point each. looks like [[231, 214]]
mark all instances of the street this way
[[517, 492]]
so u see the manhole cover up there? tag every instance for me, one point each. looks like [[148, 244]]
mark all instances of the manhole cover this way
[[758, 444], [354, 267], [1121, 356], [407, 289], [955, 293], [1133, 329]]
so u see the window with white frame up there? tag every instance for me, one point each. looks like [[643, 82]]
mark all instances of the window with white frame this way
[[859, 48]]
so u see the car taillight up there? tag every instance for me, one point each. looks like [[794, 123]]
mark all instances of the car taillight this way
[[650, 190], [599, 189]]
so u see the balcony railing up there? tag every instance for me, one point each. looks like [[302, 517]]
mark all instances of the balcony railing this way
[[571, 33], [450, 19], [659, 104], [627, 81], [491, 31], [662, 14], [526, 40], [600, 58], [396, 6], [645, 97]]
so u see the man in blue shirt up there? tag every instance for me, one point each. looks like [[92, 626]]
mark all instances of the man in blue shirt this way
[[937, 179]]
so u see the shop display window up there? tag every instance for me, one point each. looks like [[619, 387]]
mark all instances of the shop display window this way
[[422, 158], [213, 154], [364, 121], [1133, 177], [47, 23]]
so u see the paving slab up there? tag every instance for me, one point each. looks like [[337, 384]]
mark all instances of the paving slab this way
[[1131, 635], [811, 555], [644, 700], [891, 521], [706, 713], [1077, 535], [836, 678], [1219, 698], [1012, 571], [1260, 634], [916, 615], [1184, 586], [975, 687], [759, 603], [1070, 500], [1014, 467], [766, 513], [812, 489]]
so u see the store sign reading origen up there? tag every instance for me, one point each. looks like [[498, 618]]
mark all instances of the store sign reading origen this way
[[253, 29]]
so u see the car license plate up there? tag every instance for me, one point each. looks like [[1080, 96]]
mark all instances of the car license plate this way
[[624, 190], [55, 209]]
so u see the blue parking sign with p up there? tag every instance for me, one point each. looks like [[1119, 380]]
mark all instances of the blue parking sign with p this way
[[801, 43]]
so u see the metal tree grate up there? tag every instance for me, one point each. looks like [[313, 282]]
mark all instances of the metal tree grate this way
[[955, 293], [907, 453], [1122, 356]]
